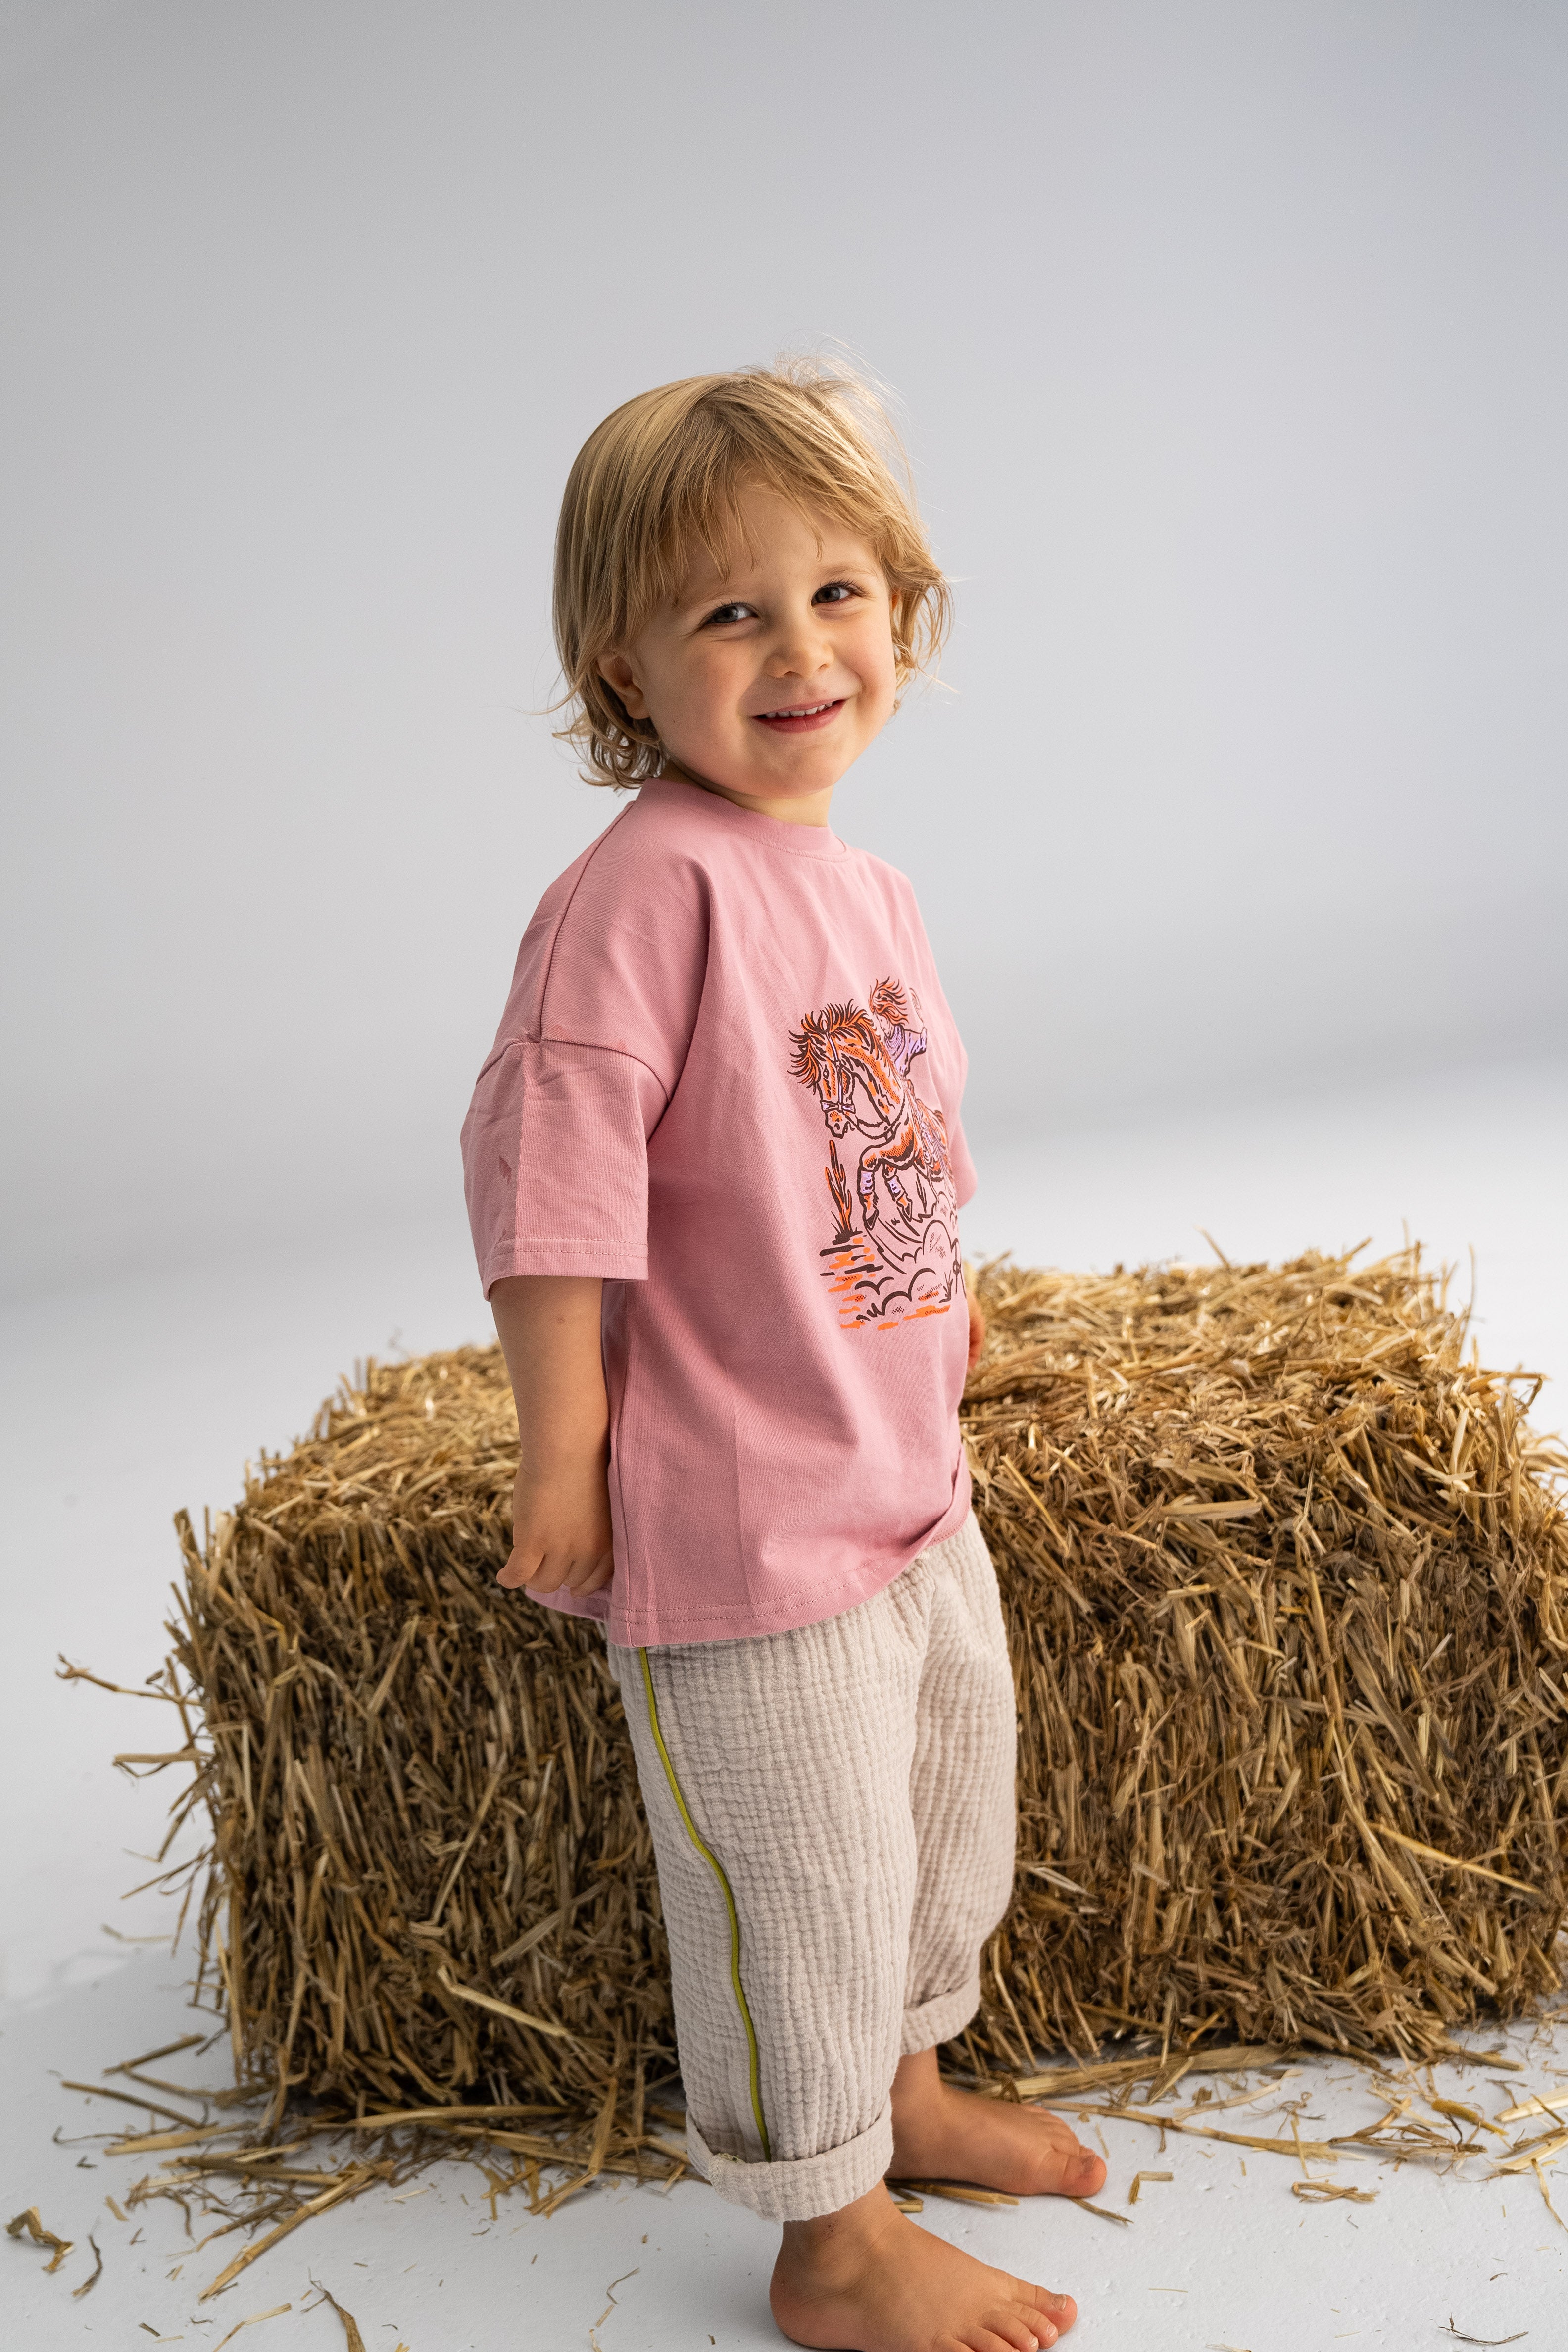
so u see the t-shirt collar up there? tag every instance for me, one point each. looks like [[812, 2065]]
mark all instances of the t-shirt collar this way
[[772, 832]]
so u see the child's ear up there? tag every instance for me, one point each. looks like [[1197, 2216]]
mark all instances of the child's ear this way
[[617, 672]]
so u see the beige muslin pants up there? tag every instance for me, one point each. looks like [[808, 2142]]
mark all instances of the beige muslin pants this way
[[833, 1821]]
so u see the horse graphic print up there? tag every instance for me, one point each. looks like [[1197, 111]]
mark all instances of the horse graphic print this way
[[894, 1251]]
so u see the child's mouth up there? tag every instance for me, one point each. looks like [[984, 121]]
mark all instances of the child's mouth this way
[[801, 719]]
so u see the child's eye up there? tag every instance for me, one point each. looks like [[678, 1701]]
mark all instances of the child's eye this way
[[724, 616], [837, 592]]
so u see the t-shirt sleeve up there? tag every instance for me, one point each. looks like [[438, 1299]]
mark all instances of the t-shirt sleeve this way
[[591, 1046], [555, 1161]]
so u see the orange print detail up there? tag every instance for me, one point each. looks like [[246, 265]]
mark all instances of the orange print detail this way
[[893, 1256]]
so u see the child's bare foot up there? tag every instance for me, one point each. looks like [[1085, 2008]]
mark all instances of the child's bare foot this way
[[941, 2133], [866, 2280]]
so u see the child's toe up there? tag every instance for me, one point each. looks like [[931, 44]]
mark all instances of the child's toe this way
[[1004, 2335], [1036, 2324], [1057, 2311], [1073, 2171]]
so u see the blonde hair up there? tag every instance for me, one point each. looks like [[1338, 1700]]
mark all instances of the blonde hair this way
[[664, 474]]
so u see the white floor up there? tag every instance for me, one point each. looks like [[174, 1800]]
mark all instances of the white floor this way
[[1256, 2270], [120, 1404]]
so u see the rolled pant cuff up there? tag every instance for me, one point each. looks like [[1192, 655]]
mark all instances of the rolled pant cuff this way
[[810, 2185], [939, 2019]]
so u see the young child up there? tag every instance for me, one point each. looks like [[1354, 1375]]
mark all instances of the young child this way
[[715, 1167]]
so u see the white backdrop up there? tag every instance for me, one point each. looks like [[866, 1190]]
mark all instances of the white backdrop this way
[[1231, 340], [1231, 337]]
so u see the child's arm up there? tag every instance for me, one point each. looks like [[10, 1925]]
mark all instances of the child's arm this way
[[549, 1329]]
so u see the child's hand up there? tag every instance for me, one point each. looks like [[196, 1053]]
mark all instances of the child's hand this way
[[549, 1328], [976, 1330], [561, 1530]]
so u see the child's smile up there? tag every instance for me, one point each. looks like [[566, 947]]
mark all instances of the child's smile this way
[[771, 672], [798, 721]]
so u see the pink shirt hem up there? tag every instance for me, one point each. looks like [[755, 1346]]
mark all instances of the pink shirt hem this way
[[807, 1603]]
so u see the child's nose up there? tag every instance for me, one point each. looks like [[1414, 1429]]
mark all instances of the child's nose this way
[[799, 651]]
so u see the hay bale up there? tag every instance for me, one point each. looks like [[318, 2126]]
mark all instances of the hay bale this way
[[1284, 1580]]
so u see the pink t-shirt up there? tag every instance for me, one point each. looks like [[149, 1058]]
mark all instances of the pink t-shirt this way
[[726, 1081]]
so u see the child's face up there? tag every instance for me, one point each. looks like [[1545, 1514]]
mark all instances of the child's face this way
[[766, 677]]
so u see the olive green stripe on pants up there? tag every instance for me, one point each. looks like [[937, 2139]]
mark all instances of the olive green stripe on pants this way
[[832, 1818], [717, 1867]]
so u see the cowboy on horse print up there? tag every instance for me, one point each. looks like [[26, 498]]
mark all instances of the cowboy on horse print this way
[[901, 1259]]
